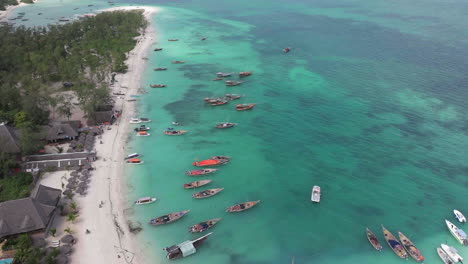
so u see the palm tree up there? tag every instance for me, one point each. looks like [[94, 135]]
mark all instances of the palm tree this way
[[73, 207], [68, 230], [71, 217], [53, 231]]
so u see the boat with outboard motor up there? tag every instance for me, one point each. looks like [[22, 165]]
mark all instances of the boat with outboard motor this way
[[373, 239], [210, 162], [243, 107], [315, 196], [158, 49], [225, 125], [169, 218], [196, 184], [142, 134], [444, 257], [461, 218], [199, 172], [185, 248], [412, 250], [241, 207], [207, 193], [205, 225], [397, 248], [175, 132], [459, 234], [145, 200], [452, 253]]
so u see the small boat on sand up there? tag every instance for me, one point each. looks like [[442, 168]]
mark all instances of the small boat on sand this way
[[210, 162], [461, 218], [242, 207], [173, 40], [199, 172], [169, 218], [185, 248], [225, 125], [132, 156], [223, 74], [207, 193], [444, 257], [373, 240], [160, 69], [232, 83], [394, 244], [231, 97], [158, 49], [157, 85], [178, 62], [142, 128], [459, 234], [410, 248], [315, 196], [244, 74], [175, 132], [196, 184], [205, 225], [135, 161], [286, 50], [452, 253], [243, 107], [142, 134], [145, 200]]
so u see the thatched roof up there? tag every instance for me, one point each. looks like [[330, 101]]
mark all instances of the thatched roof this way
[[8, 140], [61, 131]]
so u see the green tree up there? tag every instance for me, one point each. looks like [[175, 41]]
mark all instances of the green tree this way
[[71, 217], [68, 230], [53, 231]]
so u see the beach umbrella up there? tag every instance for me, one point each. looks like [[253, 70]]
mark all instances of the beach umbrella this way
[[74, 173], [84, 177], [81, 191], [61, 259], [65, 249], [86, 173], [71, 185], [87, 166], [83, 185], [68, 239]]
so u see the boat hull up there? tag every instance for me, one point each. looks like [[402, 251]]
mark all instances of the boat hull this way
[[207, 193], [373, 240], [241, 207], [457, 235], [394, 244], [166, 219], [410, 248]]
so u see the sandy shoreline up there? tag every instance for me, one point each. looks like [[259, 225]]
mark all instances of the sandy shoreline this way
[[109, 240], [4, 14]]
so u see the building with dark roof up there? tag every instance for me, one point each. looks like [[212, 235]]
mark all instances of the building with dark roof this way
[[9, 140], [34, 213], [62, 131]]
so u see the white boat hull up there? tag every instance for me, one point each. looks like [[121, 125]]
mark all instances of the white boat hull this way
[[457, 233], [315, 196], [460, 217], [451, 253], [146, 202]]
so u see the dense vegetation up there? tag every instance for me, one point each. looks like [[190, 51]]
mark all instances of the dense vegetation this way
[[37, 64], [4, 3], [15, 186]]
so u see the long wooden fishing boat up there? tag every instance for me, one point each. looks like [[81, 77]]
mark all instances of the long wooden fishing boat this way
[[444, 257], [223, 74], [209, 162], [217, 79], [158, 49], [178, 62], [169, 218], [199, 172], [232, 83], [373, 240], [207, 193], [225, 125], [205, 225], [196, 184], [185, 248], [394, 244], [175, 132], [160, 69], [231, 97], [157, 85], [243, 107], [241, 207], [173, 40], [245, 74], [410, 247], [218, 102]]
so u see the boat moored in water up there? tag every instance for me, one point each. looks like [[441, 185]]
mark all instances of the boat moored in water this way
[[221, 158], [142, 134], [223, 74], [173, 40], [145, 200], [225, 125], [175, 132], [210, 162], [207, 193], [245, 74], [160, 69], [243, 107], [452, 253], [232, 83], [412, 250], [459, 234], [199, 172], [157, 85], [397, 248], [241, 207], [286, 50], [131, 156], [217, 102], [461, 218], [373, 240], [136, 120], [444, 257], [142, 128], [158, 49], [315, 196], [185, 248], [205, 225], [169, 218], [231, 97], [196, 184], [135, 161], [178, 62]]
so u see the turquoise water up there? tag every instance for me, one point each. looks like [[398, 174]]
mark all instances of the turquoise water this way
[[369, 104], [6, 261]]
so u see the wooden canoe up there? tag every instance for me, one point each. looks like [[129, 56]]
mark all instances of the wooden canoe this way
[[242, 207], [169, 218], [243, 107], [175, 132], [205, 225], [373, 240], [394, 244], [206, 193], [196, 184], [409, 246], [199, 172]]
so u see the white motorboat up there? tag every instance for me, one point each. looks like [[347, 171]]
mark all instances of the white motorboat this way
[[315, 196], [145, 120], [459, 234], [452, 253], [461, 218], [175, 123], [132, 156], [445, 258], [135, 120], [145, 200]]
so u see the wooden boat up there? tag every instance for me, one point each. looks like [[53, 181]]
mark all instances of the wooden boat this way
[[243, 107], [221, 158], [145, 200], [452, 253], [160, 69], [223, 74], [217, 79], [210, 100], [173, 40], [143, 134], [175, 132], [394, 244], [232, 83], [231, 97], [445, 258], [142, 128], [203, 38], [225, 125], [169, 218], [244, 74], [131, 156], [315, 196], [286, 50], [186, 248], [178, 62], [241, 207], [206, 193], [131, 100], [135, 161], [457, 233], [373, 240], [196, 184], [157, 85], [410, 248], [158, 49], [461, 218], [144, 120], [200, 172], [210, 162], [205, 225], [218, 102]]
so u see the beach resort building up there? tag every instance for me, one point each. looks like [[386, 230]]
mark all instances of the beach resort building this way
[[9, 140]]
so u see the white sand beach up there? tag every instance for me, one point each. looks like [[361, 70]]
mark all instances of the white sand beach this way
[[5, 13]]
